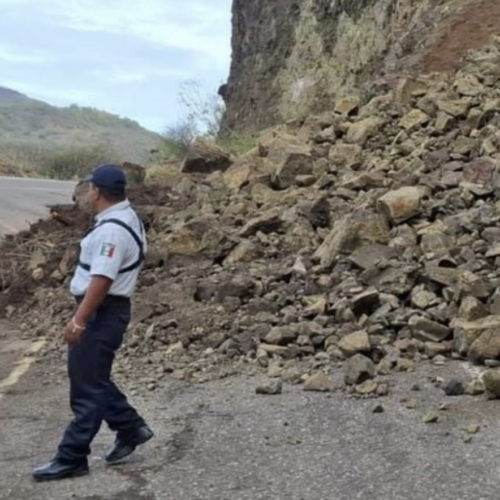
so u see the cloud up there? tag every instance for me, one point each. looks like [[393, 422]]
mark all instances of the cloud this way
[[140, 75], [202, 26], [127, 56], [16, 56]]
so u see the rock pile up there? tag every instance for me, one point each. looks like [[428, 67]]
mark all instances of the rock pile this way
[[367, 236]]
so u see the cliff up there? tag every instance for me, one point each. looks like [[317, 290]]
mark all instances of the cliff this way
[[294, 58]]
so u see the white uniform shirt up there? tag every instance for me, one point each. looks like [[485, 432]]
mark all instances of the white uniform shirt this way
[[108, 249]]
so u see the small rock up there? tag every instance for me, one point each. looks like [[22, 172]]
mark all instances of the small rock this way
[[454, 387], [319, 382], [281, 335], [348, 105], [355, 343], [435, 349], [405, 365], [402, 204], [271, 388], [378, 409], [367, 387], [475, 387], [414, 120], [469, 85], [491, 380], [361, 131], [439, 360], [427, 330], [473, 429], [382, 390], [430, 418], [358, 369], [412, 404], [365, 302]]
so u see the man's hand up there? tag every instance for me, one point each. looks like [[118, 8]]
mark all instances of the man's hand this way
[[96, 293], [73, 333]]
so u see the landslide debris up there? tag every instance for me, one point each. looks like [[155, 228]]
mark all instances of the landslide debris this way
[[367, 239]]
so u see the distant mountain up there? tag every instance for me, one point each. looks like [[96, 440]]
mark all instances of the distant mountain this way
[[29, 127], [8, 95]]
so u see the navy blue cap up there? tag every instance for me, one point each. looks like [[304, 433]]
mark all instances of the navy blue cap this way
[[110, 177]]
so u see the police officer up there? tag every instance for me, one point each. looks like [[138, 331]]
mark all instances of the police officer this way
[[111, 256]]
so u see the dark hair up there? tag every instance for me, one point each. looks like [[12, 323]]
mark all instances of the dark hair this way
[[113, 195]]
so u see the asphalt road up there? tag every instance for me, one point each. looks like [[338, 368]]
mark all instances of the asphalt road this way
[[26, 200], [220, 441]]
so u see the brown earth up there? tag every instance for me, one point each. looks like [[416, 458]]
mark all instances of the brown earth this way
[[469, 30]]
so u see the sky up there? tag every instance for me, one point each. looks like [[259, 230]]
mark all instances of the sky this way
[[128, 57]]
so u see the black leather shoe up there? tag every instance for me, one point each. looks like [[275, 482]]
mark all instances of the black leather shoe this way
[[56, 470], [123, 448]]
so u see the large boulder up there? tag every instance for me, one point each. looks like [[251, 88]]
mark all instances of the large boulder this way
[[347, 156], [362, 227], [289, 161], [136, 174], [242, 171], [205, 157], [461, 280], [426, 330], [414, 120], [486, 346], [361, 131], [403, 203], [355, 343], [467, 333], [201, 236]]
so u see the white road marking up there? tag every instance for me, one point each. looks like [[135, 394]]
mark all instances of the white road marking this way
[[22, 366]]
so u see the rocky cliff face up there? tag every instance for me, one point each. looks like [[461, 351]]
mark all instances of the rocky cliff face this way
[[291, 58]]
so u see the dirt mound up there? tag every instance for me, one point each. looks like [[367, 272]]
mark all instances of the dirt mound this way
[[47, 252]]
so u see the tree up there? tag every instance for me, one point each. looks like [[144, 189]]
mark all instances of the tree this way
[[178, 138], [203, 109]]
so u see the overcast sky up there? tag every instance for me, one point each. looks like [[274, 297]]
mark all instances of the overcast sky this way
[[125, 56]]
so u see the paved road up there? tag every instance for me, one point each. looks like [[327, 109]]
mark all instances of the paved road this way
[[26, 200], [219, 441]]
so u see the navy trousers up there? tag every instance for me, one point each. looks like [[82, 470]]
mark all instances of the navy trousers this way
[[93, 395]]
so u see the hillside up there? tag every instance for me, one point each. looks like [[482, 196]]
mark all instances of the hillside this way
[[29, 128]]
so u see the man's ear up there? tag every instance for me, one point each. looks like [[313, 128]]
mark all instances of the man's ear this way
[[95, 190]]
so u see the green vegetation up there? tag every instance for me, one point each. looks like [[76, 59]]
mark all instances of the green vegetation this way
[[75, 163], [238, 144], [37, 136]]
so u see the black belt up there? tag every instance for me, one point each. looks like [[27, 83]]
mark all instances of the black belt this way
[[110, 299]]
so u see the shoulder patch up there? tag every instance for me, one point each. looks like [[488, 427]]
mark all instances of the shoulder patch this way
[[107, 250]]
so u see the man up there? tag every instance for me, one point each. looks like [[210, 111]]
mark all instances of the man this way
[[111, 256]]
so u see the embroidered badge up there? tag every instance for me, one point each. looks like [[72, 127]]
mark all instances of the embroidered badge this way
[[107, 250]]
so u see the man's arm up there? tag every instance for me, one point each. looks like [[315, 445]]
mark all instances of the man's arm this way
[[96, 293], [108, 256]]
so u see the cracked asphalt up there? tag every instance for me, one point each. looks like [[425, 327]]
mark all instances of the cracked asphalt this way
[[220, 441]]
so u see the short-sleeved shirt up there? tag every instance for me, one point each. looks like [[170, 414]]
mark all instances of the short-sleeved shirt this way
[[110, 248]]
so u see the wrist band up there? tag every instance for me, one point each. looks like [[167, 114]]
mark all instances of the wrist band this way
[[77, 327]]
